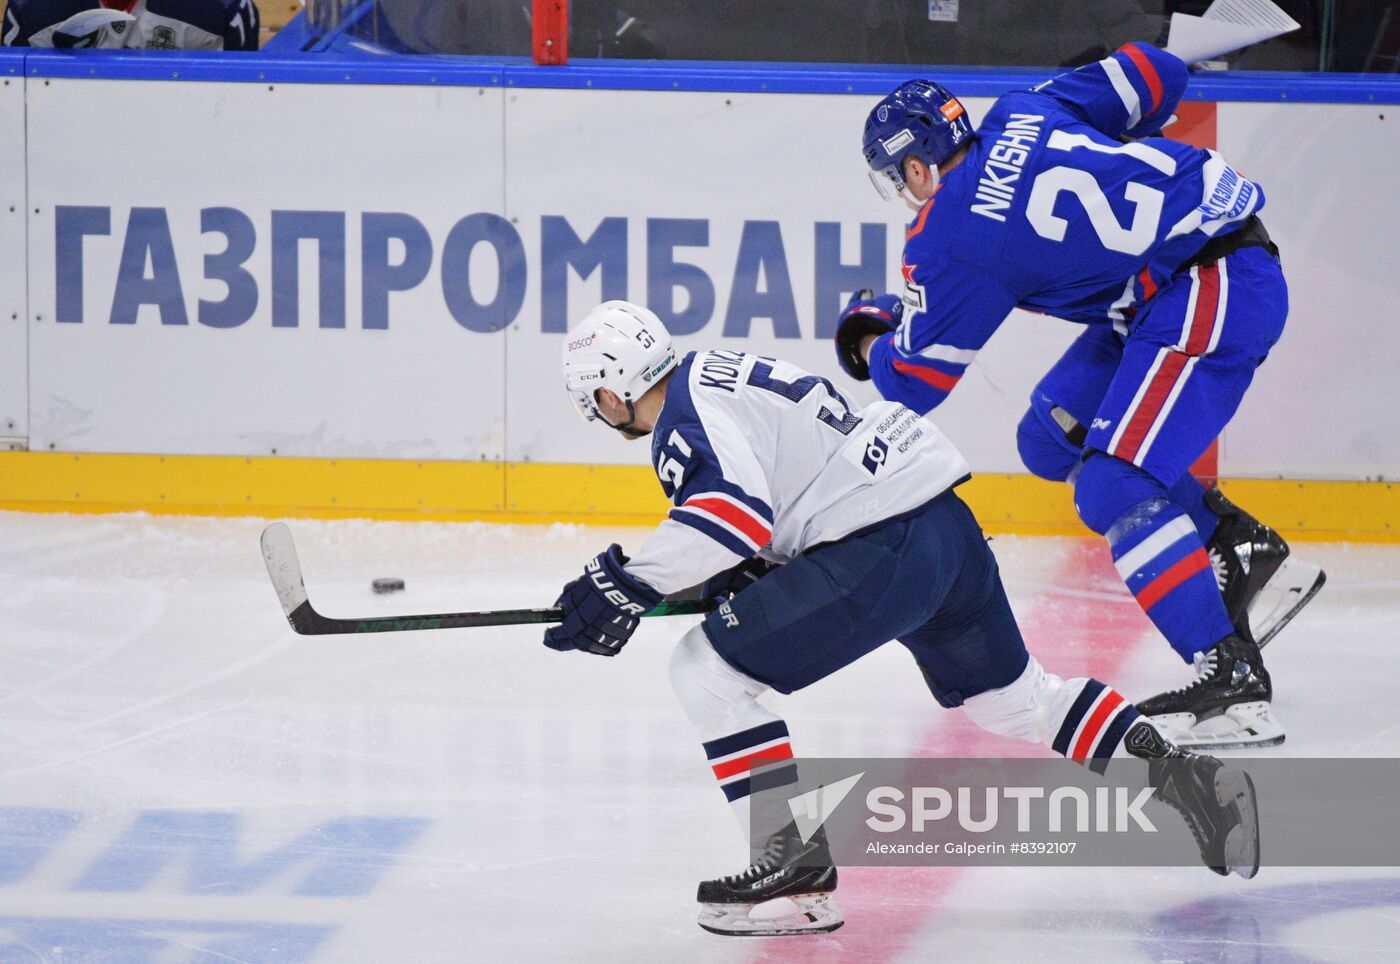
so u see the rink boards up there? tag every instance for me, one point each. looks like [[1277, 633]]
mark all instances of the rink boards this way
[[353, 290]]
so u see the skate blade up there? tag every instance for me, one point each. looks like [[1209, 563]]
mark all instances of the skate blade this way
[[1235, 789], [779, 917], [1285, 594], [1239, 726]]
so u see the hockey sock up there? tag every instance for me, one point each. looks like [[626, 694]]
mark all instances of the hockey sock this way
[[1158, 551], [733, 759], [1189, 496], [1093, 728], [1159, 554], [739, 733], [1081, 719]]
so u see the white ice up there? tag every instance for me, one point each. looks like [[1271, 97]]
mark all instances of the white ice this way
[[184, 779]]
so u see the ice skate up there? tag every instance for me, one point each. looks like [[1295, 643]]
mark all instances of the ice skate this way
[[1217, 802], [788, 890], [1226, 706], [1262, 586]]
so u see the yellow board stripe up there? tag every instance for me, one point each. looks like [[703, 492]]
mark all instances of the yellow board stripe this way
[[597, 494]]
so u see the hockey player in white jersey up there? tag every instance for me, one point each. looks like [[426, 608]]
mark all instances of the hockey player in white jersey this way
[[829, 530]]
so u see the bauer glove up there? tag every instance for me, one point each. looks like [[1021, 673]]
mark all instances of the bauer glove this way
[[601, 607], [864, 315]]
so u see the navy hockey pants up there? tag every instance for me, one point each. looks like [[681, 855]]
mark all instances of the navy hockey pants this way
[[926, 579]]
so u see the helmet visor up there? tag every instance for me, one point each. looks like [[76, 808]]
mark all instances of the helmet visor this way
[[584, 402], [888, 181]]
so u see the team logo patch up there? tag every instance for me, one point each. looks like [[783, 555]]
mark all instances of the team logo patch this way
[[876, 451], [886, 445], [951, 110], [883, 113]]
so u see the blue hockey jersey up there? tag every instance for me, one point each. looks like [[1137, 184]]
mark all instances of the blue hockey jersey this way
[[1056, 209], [168, 24]]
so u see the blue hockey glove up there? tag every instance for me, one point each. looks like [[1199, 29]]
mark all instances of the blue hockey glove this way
[[864, 315], [601, 607], [724, 584]]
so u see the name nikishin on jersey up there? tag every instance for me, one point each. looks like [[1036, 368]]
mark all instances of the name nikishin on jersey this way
[[1008, 155]]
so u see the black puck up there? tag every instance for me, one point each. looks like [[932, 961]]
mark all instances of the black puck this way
[[387, 584]]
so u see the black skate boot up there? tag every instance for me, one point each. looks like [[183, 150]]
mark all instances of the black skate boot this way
[[1217, 802], [1227, 705], [788, 890], [1263, 588]]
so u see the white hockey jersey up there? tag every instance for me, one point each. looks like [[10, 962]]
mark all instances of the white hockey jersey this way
[[157, 24], [757, 454]]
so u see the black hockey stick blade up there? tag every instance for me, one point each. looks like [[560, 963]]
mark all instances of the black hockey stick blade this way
[[280, 554]]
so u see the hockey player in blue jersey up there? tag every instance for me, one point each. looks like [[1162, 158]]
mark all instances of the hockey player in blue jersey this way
[[1054, 204], [162, 24], [766, 464]]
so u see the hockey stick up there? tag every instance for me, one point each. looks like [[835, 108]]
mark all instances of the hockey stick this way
[[280, 554]]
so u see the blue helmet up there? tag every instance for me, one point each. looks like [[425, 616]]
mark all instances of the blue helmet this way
[[921, 119]]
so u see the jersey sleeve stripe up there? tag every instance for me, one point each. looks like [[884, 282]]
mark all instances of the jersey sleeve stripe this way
[[1148, 72], [1131, 102], [947, 353], [739, 499], [733, 514], [708, 525], [939, 380]]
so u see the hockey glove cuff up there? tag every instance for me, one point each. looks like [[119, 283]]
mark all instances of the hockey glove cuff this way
[[864, 315], [602, 607]]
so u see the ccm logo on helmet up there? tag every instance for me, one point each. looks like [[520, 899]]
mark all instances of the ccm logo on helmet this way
[[609, 591], [578, 343]]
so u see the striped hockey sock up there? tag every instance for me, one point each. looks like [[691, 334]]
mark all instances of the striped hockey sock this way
[[734, 757], [1092, 731], [1159, 554]]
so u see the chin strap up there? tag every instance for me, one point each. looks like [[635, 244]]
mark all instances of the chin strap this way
[[626, 428]]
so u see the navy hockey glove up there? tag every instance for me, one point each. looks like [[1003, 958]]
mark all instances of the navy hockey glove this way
[[724, 584], [602, 607], [864, 315]]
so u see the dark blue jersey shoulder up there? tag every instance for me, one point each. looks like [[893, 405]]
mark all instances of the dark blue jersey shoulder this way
[[25, 18], [211, 15], [682, 451]]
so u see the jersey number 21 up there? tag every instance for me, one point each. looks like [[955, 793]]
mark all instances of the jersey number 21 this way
[[1137, 236]]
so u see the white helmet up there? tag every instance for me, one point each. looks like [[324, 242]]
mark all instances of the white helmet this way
[[618, 346]]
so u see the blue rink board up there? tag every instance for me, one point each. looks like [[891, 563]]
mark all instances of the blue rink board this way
[[284, 63]]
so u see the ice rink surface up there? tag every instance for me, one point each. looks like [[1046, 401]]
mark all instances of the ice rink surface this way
[[184, 779]]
